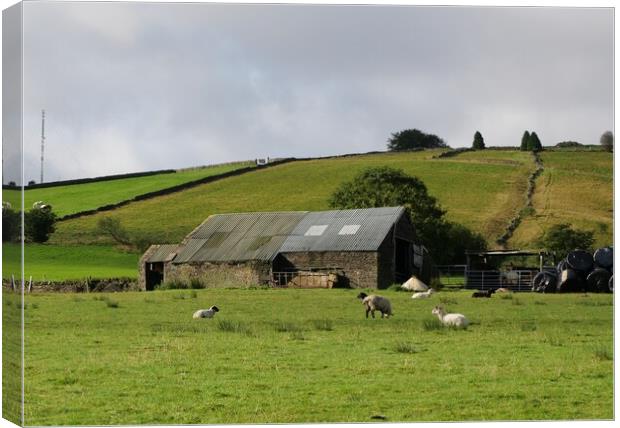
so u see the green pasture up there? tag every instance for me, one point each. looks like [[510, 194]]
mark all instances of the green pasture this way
[[81, 197], [575, 188], [482, 190], [292, 356], [53, 262]]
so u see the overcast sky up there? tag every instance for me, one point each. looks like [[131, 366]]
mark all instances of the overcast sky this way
[[136, 86]]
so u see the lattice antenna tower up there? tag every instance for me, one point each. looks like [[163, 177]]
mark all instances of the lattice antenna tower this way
[[42, 142]]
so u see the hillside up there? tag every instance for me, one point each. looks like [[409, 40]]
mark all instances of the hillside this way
[[575, 188], [482, 190], [69, 199]]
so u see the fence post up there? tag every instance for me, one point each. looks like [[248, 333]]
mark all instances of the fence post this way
[[30, 284], [13, 282]]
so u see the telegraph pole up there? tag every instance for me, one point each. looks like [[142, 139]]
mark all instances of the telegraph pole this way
[[42, 142]]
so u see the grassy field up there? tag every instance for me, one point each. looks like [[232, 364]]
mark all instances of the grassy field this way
[[11, 357], [52, 262], [494, 180], [311, 356], [575, 188], [88, 196]]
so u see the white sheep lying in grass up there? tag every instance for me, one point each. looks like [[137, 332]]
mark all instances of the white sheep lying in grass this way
[[376, 303], [206, 313], [453, 320], [423, 295]]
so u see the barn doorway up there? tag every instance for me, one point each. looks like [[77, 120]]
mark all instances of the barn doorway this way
[[154, 274], [402, 259]]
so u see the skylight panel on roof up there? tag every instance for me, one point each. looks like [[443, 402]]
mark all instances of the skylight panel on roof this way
[[349, 229], [316, 230]]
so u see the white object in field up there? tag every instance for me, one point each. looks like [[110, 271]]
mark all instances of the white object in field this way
[[414, 284]]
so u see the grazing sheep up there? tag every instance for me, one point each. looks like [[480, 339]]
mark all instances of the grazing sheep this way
[[206, 313], [483, 293], [455, 320], [376, 303], [423, 295], [503, 290]]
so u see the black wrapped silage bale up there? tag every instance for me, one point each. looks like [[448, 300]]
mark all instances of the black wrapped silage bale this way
[[580, 260], [537, 282], [598, 281], [604, 257], [545, 282], [561, 266], [571, 281]]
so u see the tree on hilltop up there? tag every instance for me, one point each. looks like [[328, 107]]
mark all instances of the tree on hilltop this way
[[534, 144], [478, 143], [607, 141], [411, 139], [525, 141]]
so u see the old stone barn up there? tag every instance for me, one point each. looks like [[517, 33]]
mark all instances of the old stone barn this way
[[365, 248]]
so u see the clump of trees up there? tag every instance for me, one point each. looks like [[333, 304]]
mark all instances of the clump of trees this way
[[414, 139], [478, 143], [531, 142], [39, 224], [385, 186], [607, 141], [561, 239], [569, 144]]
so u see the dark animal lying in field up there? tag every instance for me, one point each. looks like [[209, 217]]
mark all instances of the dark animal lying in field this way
[[206, 313], [376, 303], [483, 293]]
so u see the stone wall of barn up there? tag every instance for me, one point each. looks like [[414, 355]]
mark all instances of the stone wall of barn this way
[[361, 268], [219, 274]]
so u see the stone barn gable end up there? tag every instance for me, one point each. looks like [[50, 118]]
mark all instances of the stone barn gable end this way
[[370, 248]]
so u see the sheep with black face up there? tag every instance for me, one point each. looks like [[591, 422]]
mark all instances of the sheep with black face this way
[[374, 303], [206, 313]]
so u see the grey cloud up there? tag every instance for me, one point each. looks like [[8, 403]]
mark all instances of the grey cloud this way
[[135, 86]]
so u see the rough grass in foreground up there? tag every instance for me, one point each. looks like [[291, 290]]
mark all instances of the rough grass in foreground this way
[[151, 363]]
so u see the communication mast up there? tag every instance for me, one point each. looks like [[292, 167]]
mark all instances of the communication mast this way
[[42, 142]]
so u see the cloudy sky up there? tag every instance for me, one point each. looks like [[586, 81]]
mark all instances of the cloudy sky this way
[[140, 86]]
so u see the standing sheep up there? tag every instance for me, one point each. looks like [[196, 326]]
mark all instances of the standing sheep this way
[[376, 303], [454, 320]]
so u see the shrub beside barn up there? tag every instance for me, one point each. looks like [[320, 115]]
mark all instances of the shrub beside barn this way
[[365, 248]]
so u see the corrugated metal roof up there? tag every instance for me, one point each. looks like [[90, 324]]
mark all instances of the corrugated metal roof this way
[[347, 230], [239, 237], [162, 253], [261, 236], [188, 250]]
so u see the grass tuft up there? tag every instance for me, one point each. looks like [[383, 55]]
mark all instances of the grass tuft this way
[[432, 324], [324, 325], [229, 326], [196, 284], [406, 348], [448, 301], [602, 354], [285, 326], [298, 335]]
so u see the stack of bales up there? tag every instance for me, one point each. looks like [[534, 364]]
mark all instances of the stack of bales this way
[[579, 272]]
